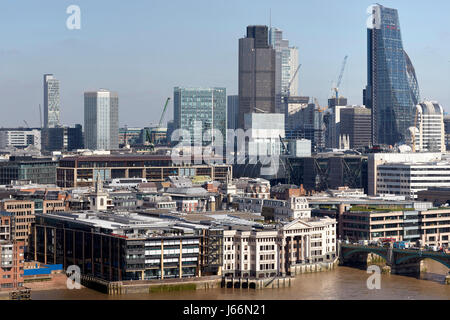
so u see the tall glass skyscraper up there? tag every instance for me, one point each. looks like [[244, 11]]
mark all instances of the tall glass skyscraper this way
[[286, 64], [392, 90], [257, 60], [51, 101], [200, 109], [101, 120]]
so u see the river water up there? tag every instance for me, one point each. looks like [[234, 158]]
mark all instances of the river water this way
[[343, 283]]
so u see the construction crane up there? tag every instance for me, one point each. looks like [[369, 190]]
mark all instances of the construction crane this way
[[414, 131], [288, 91], [147, 134], [163, 113], [336, 88], [318, 105]]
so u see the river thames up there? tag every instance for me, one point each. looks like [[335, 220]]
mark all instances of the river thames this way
[[342, 283]]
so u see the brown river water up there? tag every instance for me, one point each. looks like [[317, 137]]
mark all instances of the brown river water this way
[[343, 283]]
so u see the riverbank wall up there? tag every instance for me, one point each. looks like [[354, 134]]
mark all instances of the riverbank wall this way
[[313, 267], [149, 286]]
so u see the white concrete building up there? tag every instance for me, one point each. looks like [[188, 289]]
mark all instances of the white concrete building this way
[[429, 135], [286, 210], [101, 120], [270, 252], [264, 131], [376, 159], [20, 138], [250, 253], [406, 179]]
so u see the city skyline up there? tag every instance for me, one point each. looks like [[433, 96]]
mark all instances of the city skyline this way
[[145, 73]]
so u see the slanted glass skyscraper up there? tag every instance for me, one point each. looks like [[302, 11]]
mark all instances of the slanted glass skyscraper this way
[[392, 90], [51, 101]]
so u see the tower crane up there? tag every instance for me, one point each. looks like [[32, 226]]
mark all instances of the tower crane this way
[[148, 138], [318, 105], [336, 88], [288, 90]]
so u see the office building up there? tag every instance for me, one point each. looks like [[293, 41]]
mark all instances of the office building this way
[[82, 171], [430, 226], [36, 170], [447, 131], [407, 179], [286, 64], [51, 101], [264, 132], [392, 90], [62, 138], [310, 125], [22, 214], [270, 252], [200, 110], [130, 136], [292, 115], [11, 255], [101, 245], [355, 122], [101, 120], [257, 64], [20, 138], [400, 172], [429, 133], [232, 112]]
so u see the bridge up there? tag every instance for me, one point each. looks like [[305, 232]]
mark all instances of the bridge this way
[[401, 261]]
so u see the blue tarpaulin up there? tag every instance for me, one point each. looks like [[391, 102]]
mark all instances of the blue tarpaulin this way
[[46, 269]]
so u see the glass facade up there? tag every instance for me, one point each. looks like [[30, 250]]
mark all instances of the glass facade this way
[[199, 110], [392, 90], [286, 64], [51, 101], [101, 120]]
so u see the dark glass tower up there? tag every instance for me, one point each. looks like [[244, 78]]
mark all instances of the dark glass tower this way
[[392, 90], [256, 73]]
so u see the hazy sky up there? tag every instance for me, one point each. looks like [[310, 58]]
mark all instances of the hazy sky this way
[[142, 49]]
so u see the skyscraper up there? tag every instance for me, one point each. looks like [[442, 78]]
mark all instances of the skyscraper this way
[[392, 90], [256, 73], [101, 120], [286, 64], [232, 112], [429, 134], [206, 107], [51, 101]]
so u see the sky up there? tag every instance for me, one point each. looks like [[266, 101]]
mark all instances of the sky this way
[[143, 48]]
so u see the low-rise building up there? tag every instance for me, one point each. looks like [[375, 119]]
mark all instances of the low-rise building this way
[[261, 253], [286, 210], [119, 246]]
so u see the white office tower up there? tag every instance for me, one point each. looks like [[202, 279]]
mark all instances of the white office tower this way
[[51, 101], [101, 120], [286, 63], [429, 131]]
